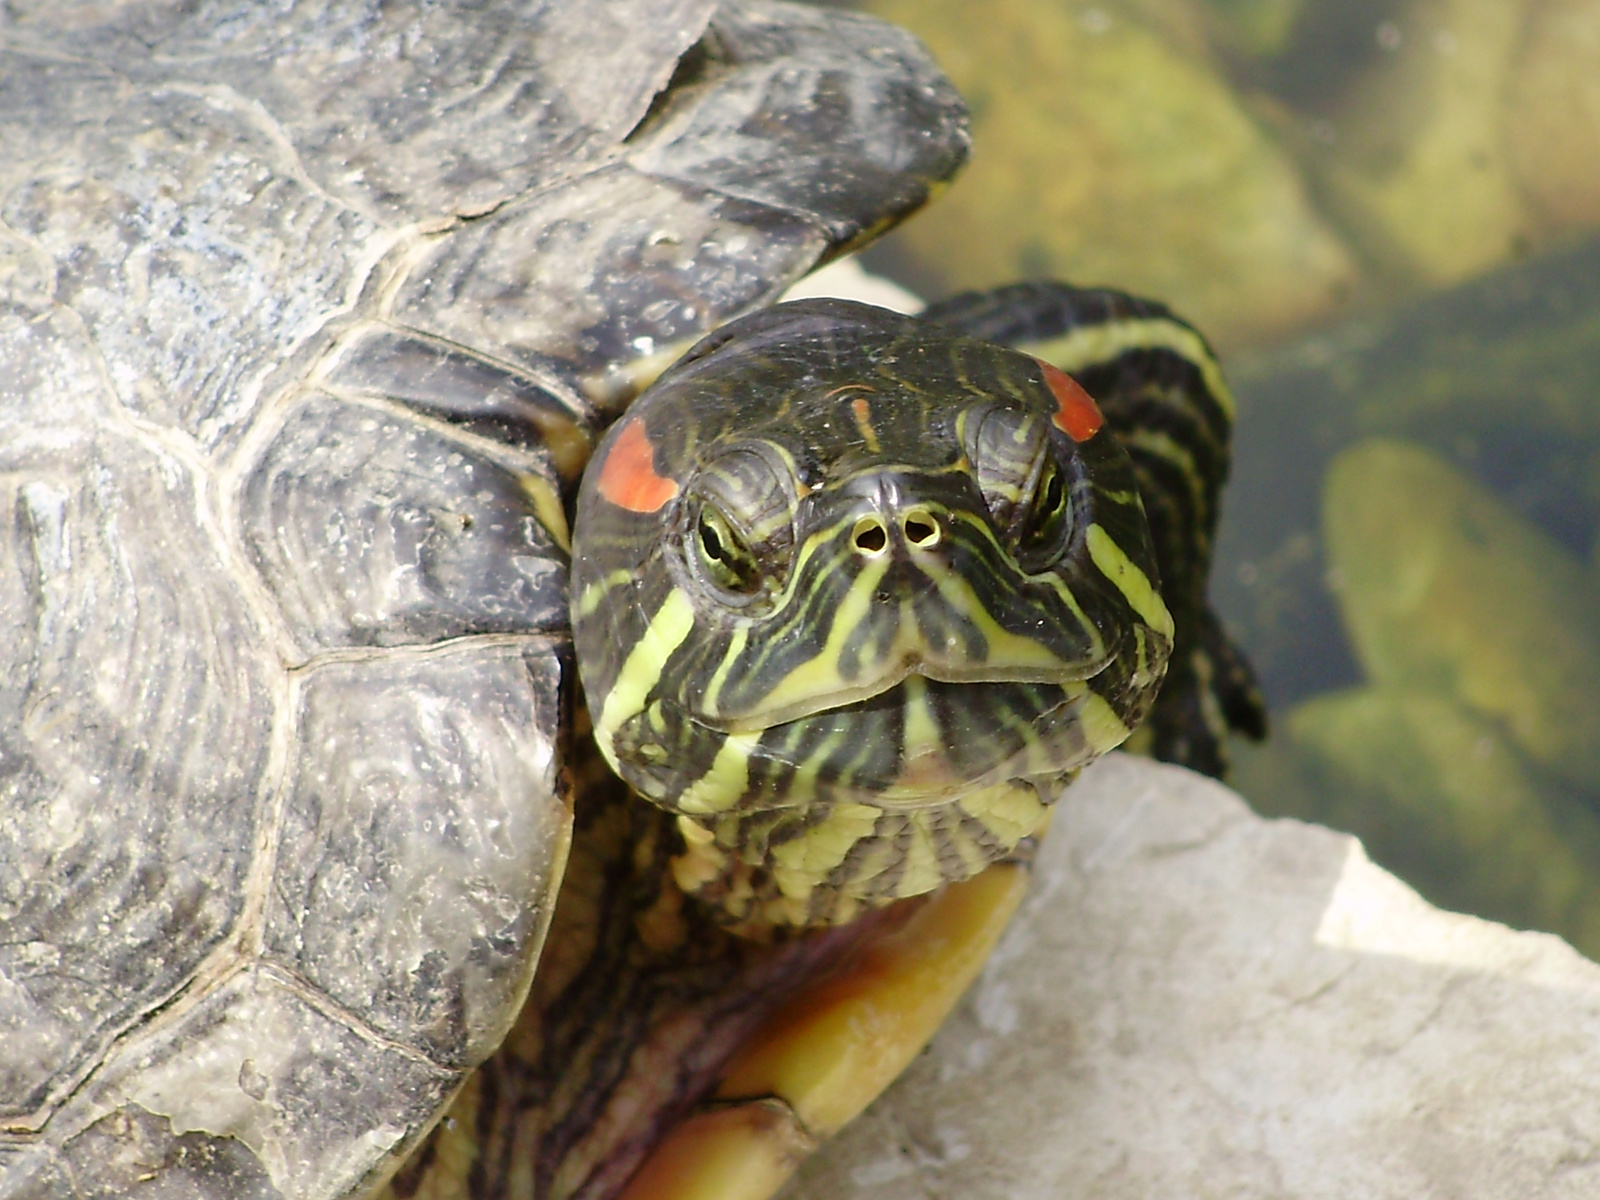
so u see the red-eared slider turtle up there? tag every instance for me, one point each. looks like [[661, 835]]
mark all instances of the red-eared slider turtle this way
[[312, 315]]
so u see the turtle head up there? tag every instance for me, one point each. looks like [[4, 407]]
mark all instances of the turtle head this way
[[840, 560]]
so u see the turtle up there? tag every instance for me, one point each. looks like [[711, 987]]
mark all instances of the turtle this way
[[430, 766]]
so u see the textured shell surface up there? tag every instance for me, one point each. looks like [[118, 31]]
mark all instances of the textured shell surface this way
[[309, 314]]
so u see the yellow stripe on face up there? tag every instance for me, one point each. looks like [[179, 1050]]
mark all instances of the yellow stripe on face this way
[[1102, 729], [665, 633], [819, 676], [921, 734], [597, 591], [1005, 649], [1148, 671], [1133, 583], [1100, 343], [736, 644]]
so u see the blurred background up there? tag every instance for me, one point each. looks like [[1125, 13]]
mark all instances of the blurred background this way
[[1386, 216]]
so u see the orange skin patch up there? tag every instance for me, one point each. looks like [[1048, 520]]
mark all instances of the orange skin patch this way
[[863, 415], [628, 477], [1077, 415]]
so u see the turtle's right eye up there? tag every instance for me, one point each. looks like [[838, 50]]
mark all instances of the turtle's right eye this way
[[737, 530], [721, 555]]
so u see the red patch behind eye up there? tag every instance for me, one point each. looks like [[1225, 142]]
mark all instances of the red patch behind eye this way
[[1077, 415], [628, 476]]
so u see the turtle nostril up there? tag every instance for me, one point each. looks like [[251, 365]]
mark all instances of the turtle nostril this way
[[869, 536], [922, 530]]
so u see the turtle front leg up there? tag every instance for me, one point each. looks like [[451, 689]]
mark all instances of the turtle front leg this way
[[821, 1058]]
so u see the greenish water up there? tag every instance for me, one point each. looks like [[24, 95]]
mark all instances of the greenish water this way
[[1384, 213]]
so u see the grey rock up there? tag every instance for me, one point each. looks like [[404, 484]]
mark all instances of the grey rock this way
[[1195, 1001]]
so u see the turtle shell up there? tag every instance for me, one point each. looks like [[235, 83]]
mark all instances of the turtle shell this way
[[309, 315]]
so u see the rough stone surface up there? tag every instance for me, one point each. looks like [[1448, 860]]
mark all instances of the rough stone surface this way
[[1197, 1002]]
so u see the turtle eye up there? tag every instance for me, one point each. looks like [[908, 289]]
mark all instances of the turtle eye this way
[[1005, 447], [737, 528], [722, 556], [1044, 526]]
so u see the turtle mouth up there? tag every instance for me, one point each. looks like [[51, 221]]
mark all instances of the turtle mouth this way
[[782, 709], [936, 767]]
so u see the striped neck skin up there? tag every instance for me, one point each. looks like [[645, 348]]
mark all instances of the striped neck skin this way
[[839, 562]]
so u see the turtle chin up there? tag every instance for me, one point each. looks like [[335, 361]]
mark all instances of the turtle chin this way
[[919, 744], [887, 797]]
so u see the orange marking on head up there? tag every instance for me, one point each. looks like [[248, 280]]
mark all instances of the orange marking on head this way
[[1077, 415], [628, 476], [863, 414]]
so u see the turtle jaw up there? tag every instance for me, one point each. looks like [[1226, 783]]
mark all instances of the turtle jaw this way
[[924, 782], [915, 670], [920, 743], [816, 820]]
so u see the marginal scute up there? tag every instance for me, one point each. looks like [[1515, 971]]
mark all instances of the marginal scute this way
[[375, 530], [423, 834], [841, 95], [285, 1076]]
